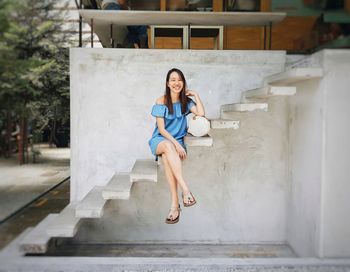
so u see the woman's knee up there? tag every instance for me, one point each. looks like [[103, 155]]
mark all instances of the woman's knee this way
[[165, 147], [168, 147]]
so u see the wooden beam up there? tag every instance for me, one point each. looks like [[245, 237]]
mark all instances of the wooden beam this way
[[265, 5], [163, 5], [218, 5], [262, 38], [347, 5]]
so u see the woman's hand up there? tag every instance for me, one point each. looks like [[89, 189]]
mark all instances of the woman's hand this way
[[198, 109], [180, 151], [190, 93]]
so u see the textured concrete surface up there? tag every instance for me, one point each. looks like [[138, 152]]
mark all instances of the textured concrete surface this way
[[92, 205], [113, 106], [36, 241], [174, 266], [336, 185], [319, 221], [253, 184], [204, 141], [118, 188], [65, 224], [224, 124], [67, 248], [294, 75], [61, 264], [144, 170], [138, 17], [239, 183], [280, 259], [268, 91], [241, 107]]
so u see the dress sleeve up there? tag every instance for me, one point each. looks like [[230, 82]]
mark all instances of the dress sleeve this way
[[190, 104], [158, 110]]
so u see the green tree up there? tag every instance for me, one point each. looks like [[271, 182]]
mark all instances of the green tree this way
[[34, 80]]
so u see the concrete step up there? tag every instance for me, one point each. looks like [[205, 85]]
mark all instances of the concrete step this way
[[269, 91], [92, 205], [190, 250], [198, 141], [242, 107], [36, 241], [65, 224], [224, 124], [118, 188], [182, 264], [13, 249], [293, 75], [144, 170]]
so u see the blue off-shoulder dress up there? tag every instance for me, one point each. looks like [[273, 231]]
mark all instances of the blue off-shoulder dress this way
[[175, 124]]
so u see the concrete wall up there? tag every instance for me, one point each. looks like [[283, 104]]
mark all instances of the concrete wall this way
[[319, 207], [305, 164], [240, 182], [336, 186], [112, 93]]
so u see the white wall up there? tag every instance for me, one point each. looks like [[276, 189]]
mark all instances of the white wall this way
[[319, 205], [282, 177], [336, 187], [240, 182], [113, 90], [305, 164]]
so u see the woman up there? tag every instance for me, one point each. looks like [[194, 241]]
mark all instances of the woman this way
[[167, 140]]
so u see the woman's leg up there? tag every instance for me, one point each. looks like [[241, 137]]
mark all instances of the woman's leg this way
[[173, 187], [168, 148]]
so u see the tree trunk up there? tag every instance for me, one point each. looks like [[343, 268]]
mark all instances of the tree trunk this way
[[20, 140], [25, 140], [53, 129], [8, 146]]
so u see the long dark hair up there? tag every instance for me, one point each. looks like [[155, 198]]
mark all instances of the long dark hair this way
[[183, 97]]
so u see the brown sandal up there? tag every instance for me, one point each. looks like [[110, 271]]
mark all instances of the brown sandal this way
[[189, 199], [173, 221]]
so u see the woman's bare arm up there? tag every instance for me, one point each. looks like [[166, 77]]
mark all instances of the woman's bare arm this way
[[199, 108]]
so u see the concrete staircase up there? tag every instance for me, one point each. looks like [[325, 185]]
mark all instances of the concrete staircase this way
[[66, 223], [224, 124], [37, 239], [293, 76], [118, 188], [93, 204], [280, 84], [144, 170], [269, 91]]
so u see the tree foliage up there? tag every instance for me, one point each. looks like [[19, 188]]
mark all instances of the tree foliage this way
[[34, 60]]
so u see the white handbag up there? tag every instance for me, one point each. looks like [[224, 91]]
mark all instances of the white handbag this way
[[198, 126]]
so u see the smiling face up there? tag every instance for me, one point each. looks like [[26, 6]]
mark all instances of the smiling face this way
[[175, 82]]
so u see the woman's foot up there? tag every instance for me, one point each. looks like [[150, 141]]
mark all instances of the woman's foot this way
[[188, 199], [174, 215]]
